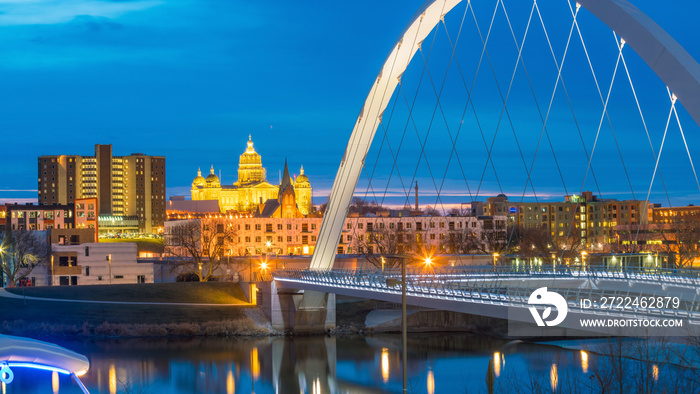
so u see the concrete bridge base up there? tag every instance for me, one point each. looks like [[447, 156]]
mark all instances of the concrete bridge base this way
[[301, 312]]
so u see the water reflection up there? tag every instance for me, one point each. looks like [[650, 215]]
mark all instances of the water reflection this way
[[230, 383], [112, 380], [437, 363], [431, 382], [385, 365], [54, 382], [497, 363], [554, 377]]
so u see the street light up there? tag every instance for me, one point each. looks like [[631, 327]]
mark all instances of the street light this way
[[495, 258], [404, 336], [109, 259]]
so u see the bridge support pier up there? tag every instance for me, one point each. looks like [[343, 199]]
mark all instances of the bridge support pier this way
[[300, 312]]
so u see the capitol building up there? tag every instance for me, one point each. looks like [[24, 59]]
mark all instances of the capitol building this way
[[253, 193]]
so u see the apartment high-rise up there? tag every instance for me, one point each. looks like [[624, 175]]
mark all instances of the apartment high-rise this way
[[125, 186]]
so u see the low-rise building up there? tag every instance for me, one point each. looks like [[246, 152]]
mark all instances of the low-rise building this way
[[366, 234], [76, 259], [585, 216], [81, 214]]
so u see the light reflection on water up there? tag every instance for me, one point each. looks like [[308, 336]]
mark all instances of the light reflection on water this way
[[438, 363]]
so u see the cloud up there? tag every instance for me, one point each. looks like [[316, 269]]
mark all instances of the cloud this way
[[44, 12]]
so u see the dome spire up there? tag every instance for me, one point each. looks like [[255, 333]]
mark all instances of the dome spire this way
[[199, 171], [301, 172], [212, 168], [250, 148]]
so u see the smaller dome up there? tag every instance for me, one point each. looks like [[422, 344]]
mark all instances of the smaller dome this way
[[301, 178], [199, 179], [212, 180]]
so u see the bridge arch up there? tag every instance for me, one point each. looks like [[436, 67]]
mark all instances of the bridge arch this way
[[671, 63]]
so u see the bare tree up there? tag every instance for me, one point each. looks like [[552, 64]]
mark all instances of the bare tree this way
[[456, 212], [363, 207], [681, 237], [629, 237], [431, 211], [537, 242], [383, 243], [491, 237], [20, 252], [200, 246]]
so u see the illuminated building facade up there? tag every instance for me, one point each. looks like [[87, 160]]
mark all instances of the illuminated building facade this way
[[252, 189], [298, 236], [131, 185], [592, 218], [82, 214]]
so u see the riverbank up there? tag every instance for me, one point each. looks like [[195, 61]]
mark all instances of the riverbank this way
[[196, 309], [143, 310]]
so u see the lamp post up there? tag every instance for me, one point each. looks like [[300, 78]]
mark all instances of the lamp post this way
[[404, 336], [109, 260], [2, 268], [250, 265], [495, 258]]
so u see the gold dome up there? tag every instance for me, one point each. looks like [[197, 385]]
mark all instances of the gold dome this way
[[301, 179], [199, 179], [250, 156], [212, 180]]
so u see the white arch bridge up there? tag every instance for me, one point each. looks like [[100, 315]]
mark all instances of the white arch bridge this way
[[504, 292]]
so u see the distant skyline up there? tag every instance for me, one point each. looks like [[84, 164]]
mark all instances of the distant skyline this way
[[190, 80]]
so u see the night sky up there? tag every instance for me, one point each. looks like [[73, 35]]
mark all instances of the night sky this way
[[190, 80]]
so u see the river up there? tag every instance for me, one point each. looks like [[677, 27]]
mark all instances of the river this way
[[438, 363]]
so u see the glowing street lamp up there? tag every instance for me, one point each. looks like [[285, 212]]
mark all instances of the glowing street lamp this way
[[495, 258]]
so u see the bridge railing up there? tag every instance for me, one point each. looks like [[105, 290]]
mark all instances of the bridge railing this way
[[459, 284], [676, 276]]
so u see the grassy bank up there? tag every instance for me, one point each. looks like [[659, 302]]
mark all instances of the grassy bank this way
[[187, 292], [33, 317]]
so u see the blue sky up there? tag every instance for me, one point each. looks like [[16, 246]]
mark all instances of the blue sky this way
[[190, 80]]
